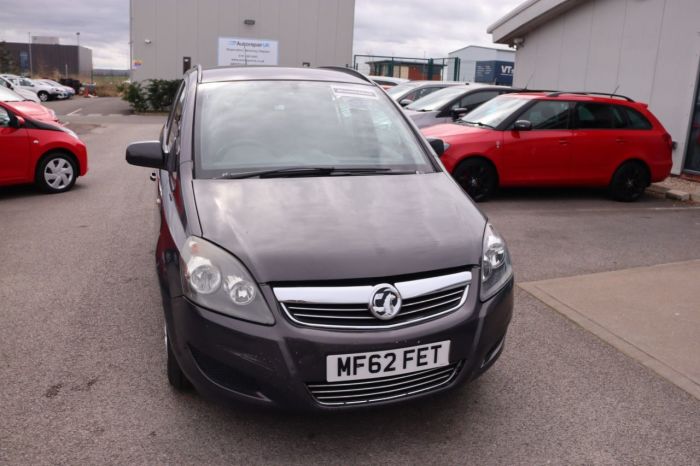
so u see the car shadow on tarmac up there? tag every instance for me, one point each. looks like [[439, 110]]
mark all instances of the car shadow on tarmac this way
[[29, 190]]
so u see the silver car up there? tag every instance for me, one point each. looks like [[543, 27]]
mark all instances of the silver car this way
[[43, 91], [411, 91], [450, 103], [25, 94]]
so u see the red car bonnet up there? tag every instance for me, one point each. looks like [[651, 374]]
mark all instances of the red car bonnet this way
[[34, 111]]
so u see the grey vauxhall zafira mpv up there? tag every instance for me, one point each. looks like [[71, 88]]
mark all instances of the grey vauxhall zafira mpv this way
[[313, 253]]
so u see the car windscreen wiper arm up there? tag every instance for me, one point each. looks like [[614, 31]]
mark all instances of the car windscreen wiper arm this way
[[477, 123], [311, 171]]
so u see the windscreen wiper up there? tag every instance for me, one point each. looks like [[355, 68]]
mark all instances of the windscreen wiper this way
[[477, 123], [311, 171]]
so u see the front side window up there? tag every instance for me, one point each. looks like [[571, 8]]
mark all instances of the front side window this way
[[473, 100], [4, 118], [547, 114], [269, 125]]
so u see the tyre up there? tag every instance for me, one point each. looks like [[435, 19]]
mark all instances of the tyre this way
[[43, 96], [478, 177], [629, 182], [176, 377], [56, 173]]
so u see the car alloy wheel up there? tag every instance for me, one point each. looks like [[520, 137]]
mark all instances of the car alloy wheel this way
[[43, 96], [629, 182], [477, 177]]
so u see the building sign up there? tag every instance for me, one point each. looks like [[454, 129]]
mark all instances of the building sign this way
[[136, 64], [240, 51]]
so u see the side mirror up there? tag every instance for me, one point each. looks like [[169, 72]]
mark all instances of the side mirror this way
[[146, 154], [522, 125], [438, 145], [459, 112], [19, 122], [405, 102]]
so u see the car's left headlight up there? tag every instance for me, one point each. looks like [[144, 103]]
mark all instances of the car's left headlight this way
[[213, 278], [496, 268]]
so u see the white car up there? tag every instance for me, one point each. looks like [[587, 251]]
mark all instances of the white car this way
[[70, 92], [43, 91], [26, 95]]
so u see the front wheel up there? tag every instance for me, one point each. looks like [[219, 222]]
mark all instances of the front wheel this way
[[56, 173], [477, 177], [629, 182], [176, 377], [43, 96]]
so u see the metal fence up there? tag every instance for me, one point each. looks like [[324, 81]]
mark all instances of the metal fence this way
[[433, 69]]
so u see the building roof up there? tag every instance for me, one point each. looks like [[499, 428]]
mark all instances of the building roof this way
[[526, 17], [500, 49]]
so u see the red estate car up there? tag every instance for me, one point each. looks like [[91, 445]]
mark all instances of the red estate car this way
[[556, 139], [33, 151]]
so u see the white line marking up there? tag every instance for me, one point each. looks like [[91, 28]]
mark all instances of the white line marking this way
[[74, 112]]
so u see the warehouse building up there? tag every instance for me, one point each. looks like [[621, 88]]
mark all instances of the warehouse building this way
[[501, 60], [48, 58], [170, 36], [648, 50]]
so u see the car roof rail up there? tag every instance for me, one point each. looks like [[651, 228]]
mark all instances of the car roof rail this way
[[607, 94], [350, 71]]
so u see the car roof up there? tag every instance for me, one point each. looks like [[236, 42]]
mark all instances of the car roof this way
[[260, 73]]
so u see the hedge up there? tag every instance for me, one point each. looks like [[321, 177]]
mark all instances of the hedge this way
[[153, 95]]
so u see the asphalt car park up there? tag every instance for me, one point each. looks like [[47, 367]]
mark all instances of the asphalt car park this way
[[82, 350]]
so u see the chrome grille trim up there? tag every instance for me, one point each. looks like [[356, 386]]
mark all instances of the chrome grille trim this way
[[387, 388], [347, 307]]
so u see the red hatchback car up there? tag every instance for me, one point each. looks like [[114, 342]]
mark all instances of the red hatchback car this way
[[33, 151], [556, 139]]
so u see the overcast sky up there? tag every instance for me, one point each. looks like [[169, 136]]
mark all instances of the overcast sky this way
[[412, 28]]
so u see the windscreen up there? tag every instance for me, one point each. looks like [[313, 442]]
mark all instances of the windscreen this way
[[7, 95], [495, 111], [438, 99], [261, 125], [401, 89]]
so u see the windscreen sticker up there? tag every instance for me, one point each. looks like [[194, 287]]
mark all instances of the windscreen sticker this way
[[361, 93]]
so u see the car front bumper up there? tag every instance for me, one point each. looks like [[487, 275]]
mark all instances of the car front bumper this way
[[229, 359]]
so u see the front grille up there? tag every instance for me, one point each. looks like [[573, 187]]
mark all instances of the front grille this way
[[359, 316], [347, 307], [382, 389]]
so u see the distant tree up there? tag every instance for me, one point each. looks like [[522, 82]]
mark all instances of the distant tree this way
[[7, 62]]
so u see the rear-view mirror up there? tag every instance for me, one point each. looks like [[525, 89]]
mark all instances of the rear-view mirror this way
[[459, 112], [522, 125], [438, 145], [146, 154]]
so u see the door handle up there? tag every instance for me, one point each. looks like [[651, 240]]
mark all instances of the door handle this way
[[620, 140], [564, 142]]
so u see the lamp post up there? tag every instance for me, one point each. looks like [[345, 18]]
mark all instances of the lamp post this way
[[31, 65]]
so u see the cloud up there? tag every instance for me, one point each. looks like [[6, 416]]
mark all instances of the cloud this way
[[410, 28]]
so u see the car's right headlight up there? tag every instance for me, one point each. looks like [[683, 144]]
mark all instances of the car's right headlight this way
[[496, 269], [213, 278]]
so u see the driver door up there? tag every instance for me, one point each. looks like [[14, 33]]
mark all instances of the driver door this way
[[541, 155], [14, 149]]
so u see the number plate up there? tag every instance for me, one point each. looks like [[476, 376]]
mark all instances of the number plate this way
[[359, 366]]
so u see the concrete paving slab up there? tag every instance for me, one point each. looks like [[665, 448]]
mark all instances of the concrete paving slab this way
[[650, 313]]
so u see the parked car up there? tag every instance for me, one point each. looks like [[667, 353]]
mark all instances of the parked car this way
[[51, 156], [411, 91], [304, 263], [72, 83], [43, 91], [557, 139], [26, 95], [27, 108], [450, 103], [387, 82], [68, 91]]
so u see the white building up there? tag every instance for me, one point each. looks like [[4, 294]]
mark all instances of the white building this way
[[169, 36], [648, 50], [469, 55]]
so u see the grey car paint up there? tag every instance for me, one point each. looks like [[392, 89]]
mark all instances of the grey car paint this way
[[346, 227]]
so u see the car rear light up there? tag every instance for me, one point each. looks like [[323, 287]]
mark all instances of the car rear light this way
[[668, 141]]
